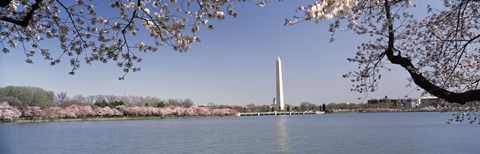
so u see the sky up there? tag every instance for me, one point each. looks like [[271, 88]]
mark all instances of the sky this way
[[234, 64]]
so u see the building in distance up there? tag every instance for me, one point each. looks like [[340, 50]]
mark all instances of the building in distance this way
[[408, 102]]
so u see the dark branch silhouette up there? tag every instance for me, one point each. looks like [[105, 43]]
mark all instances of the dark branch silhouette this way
[[21, 21]]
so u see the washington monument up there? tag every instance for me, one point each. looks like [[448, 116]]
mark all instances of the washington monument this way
[[279, 104]]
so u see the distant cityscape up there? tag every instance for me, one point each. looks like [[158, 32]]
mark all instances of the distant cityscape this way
[[422, 104], [408, 102]]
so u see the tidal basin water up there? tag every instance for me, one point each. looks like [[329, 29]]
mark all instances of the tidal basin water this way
[[329, 133]]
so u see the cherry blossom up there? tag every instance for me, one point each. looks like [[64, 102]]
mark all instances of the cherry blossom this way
[[89, 33], [8, 113], [439, 49]]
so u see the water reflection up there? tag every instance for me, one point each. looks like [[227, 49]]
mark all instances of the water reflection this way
[[282, 136]]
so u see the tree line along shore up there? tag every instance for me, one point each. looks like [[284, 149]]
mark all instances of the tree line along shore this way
[[28, 104], [75, 112], [36, 104]]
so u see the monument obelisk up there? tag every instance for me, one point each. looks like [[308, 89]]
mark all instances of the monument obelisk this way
[[279, 104]]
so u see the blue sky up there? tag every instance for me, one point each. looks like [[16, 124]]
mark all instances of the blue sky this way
[[234, 64]]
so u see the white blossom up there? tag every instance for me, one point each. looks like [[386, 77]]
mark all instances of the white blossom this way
[[82, 32]]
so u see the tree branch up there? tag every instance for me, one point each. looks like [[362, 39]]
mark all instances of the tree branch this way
[[418, 78], [28, 17]]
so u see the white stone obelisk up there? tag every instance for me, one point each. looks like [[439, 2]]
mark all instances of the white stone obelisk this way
[[279, 104]]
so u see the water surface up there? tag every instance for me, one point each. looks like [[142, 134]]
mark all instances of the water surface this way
[[329, 133]]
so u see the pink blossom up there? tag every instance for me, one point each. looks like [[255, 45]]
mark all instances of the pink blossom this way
[[99, 111], [73, 111], [201, 111], [8, 113], [86, 111], [33, 111], [165, 111], [117, 113], [54, 112]]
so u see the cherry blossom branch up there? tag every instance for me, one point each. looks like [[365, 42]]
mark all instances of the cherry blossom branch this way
[[418, 78], [28, 16]]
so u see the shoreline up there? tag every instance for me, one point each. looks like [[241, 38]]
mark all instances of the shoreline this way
[[385, 112], [93, 119]]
